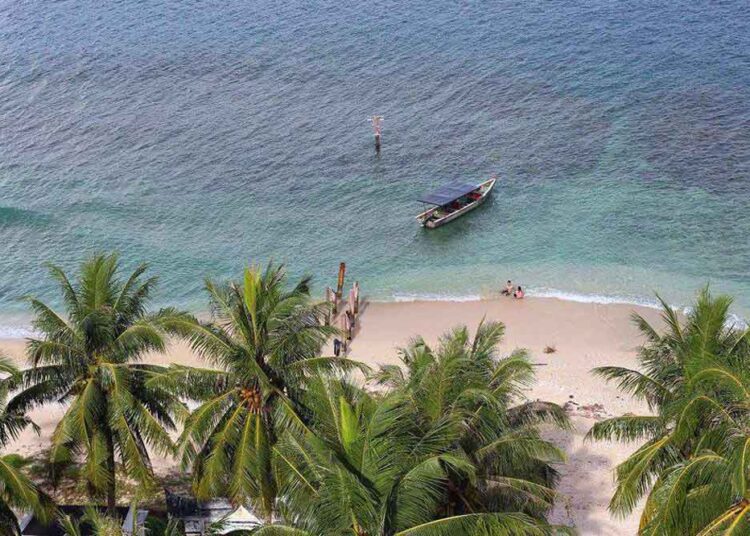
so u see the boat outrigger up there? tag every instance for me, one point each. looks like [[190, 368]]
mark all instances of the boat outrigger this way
[[452, 201]]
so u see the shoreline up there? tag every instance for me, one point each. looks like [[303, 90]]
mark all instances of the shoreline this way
[[20, 325], [584, 335]]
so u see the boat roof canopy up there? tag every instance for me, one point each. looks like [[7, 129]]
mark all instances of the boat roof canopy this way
[[449, 192]]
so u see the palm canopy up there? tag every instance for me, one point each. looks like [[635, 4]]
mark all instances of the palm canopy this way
[[398, 463], [263, 342], [88, 359], [466, 385], [16, 490], [690, 466]]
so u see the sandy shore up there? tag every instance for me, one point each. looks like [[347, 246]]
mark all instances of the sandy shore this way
[[585, 335]]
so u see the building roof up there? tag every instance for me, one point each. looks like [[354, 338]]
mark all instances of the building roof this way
[[198, 516]]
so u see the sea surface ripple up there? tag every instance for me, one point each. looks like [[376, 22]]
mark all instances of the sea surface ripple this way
[[202, 136]]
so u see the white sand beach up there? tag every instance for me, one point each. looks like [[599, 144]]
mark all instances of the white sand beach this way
[[585, 335]]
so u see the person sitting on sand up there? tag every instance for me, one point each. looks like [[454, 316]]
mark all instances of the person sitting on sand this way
[[508, 290], [518, 294]]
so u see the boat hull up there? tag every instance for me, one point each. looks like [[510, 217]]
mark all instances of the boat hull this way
[[428, 221]]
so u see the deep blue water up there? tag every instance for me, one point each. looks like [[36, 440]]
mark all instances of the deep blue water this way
[[200, 136]]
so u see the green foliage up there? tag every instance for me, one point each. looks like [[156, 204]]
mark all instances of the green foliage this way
[[443, 451], [16, 490], [693, 468], [88, 359], [448, 446], [264, 342]]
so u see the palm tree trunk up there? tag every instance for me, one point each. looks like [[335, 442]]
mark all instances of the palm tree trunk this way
[[112, 470]]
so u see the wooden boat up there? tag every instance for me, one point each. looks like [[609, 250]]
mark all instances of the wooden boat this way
[[453, 201]]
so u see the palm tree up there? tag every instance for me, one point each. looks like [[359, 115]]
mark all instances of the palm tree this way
[[436, 454], [465, 382], [16, 490], [96, 523], [674, 370], [706, 488], [92, 522], [263, 341], [88, 360]]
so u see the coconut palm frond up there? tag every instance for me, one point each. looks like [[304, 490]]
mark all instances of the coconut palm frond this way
[[627, 428], [84, 358], [484, 525], [693, 467], [636, 384]]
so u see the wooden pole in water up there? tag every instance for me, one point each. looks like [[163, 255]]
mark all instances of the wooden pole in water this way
[[377, 127], [340, 287]]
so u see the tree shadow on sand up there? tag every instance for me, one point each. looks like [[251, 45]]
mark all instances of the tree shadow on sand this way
[[586, 483]]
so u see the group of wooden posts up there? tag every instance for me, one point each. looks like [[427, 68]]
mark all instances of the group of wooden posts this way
[[347, 320]]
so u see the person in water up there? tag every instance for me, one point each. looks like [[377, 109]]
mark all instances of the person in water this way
[[518, 294], [508, 290]]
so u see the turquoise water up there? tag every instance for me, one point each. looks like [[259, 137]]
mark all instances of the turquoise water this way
[[200, 136]]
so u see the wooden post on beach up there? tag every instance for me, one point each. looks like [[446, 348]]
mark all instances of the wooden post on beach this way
[[351, 303], [343, 321], [377, 126], [340, 286], [348, 321], [356, 297], [331, 302]]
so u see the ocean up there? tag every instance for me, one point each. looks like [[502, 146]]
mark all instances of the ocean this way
[[203, 136]]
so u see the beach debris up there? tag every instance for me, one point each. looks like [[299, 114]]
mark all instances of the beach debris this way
[[590, 411], [549, 349]]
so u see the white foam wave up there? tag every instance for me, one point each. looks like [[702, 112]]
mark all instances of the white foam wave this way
[[413, 297], [541, 292], [737, 321], [604, 299], [15, 332]]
